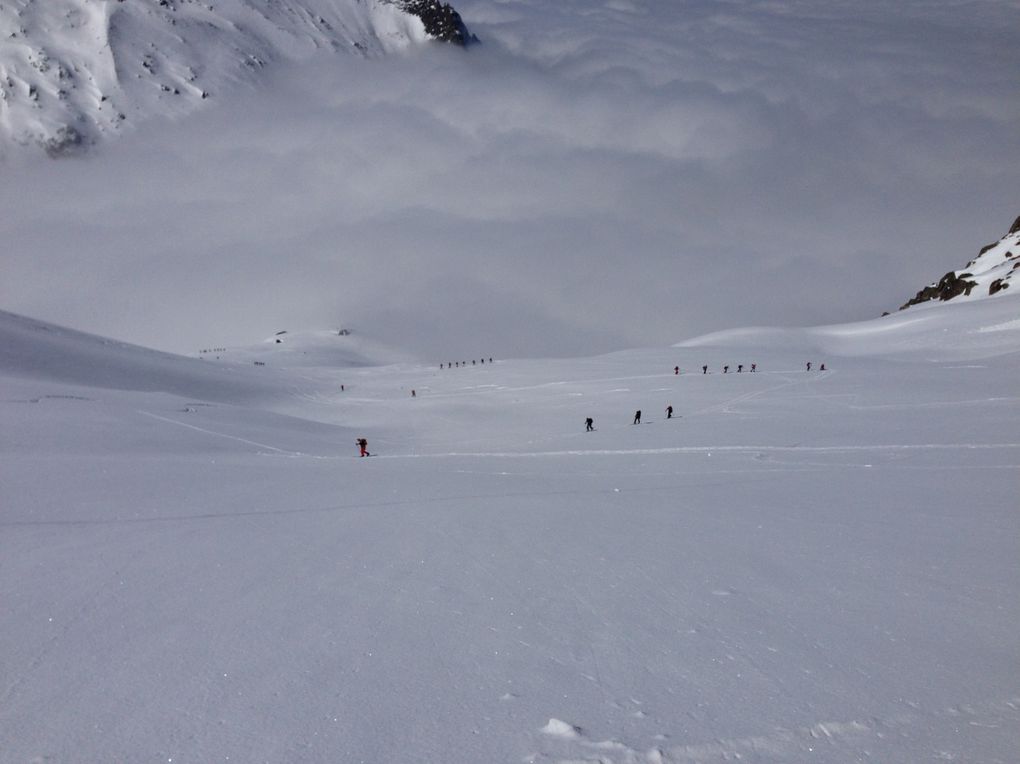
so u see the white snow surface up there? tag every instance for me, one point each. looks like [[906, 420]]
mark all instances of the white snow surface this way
[[96, 66], [937, 331], [799, 566]]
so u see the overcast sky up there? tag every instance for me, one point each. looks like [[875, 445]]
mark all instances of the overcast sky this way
[[594, 175]]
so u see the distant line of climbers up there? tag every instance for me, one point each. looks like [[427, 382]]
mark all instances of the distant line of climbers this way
[[589, 423], [725, 369], [740, 368], [458, 364]]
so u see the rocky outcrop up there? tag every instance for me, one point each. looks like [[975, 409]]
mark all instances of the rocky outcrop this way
[[441, 21], [949, 286], [986, 275]]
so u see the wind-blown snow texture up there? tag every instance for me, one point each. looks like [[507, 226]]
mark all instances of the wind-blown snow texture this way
[[799, 566]]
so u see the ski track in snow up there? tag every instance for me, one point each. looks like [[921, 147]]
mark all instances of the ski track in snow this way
[[710, 449], [219, 434], [614, 451]]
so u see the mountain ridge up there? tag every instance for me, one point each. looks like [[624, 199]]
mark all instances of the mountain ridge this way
[[74, 72]]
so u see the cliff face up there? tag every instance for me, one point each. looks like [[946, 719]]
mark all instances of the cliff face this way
[[988, 274]]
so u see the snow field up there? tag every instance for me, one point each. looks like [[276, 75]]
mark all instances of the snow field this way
[[802, 567]]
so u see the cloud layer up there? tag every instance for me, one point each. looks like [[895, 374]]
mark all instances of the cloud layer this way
[[592, 176]]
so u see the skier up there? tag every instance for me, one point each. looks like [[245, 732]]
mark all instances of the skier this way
[[822, 367], [589, 424], [341, 388], [754, 367], [704, 369], [809, 365], [414, 394], [725, 369], [669, 412], [363, 445], [740, 367], [637, 417], [676, 370]]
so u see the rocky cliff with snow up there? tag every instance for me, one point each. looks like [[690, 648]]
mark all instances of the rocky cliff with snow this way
[[75, 71], [988, 274]]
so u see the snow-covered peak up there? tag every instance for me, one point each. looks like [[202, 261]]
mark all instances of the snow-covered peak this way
[[988, 274], [74, 71]]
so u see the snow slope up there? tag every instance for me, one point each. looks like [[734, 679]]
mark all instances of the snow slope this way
[[73, 71], [797, 567], [959, 330], [324, 348]]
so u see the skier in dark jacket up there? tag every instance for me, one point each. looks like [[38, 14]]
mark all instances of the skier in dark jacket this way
[[363, 445], [637, 417], [669, 412], [589, 424]]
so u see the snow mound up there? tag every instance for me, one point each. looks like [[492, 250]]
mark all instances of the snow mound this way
[[324, 348], [946, 331], [75, 71], [561, 729]]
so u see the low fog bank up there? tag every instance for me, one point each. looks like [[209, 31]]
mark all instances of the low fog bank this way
[[590, 177]]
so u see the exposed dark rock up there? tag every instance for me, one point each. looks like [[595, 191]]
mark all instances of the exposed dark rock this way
[[1016, 226], [66, 142], [441, 21], [997, 286], [949, 286]]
